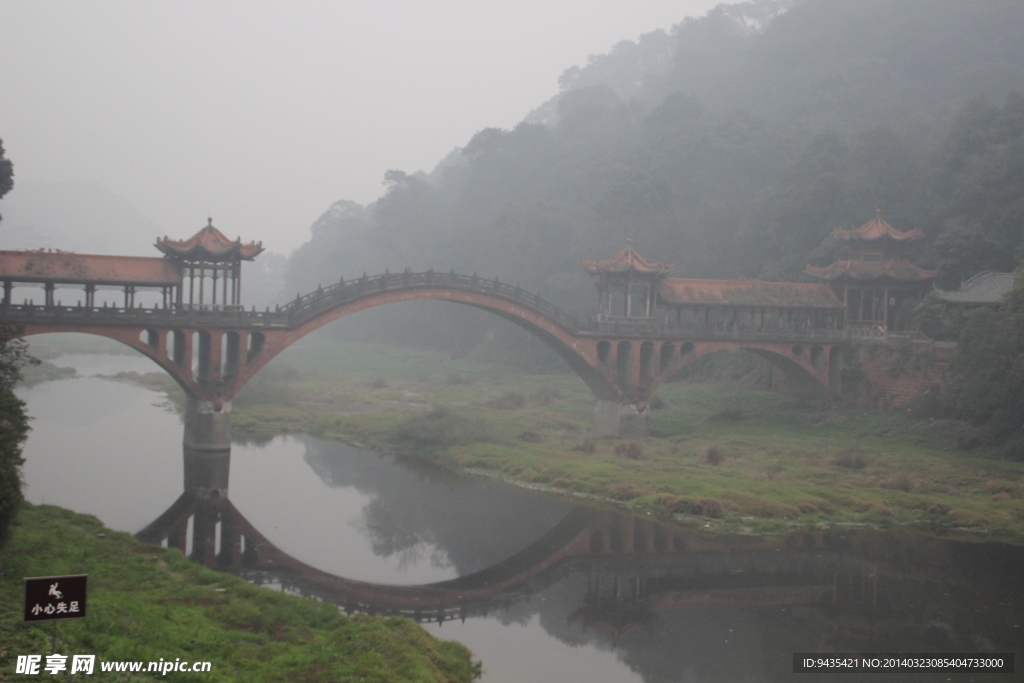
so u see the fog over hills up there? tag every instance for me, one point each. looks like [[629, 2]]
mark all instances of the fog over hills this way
[[729, 145]]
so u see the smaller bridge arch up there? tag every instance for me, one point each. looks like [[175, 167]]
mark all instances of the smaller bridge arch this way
[[816, 373]]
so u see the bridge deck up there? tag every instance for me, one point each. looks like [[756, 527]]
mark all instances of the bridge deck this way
[[314, 304]]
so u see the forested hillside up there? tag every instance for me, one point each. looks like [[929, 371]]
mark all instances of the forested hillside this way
[[730, 145]]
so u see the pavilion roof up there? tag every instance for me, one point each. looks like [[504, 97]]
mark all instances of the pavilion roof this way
[[754, 293], [626, 260], [901, 270], [876, 229], [210, 244], [62, 267]]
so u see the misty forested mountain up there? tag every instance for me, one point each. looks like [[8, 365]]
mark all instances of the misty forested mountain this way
[[729, 145]]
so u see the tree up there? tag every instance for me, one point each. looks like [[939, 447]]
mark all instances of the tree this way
[[13, 427], [983, 177], [987, 373], [6, 173], [13, 420]]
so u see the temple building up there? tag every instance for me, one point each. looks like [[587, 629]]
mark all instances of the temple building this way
[[633, 289], [876, 276], [209, 256], [626, 284]]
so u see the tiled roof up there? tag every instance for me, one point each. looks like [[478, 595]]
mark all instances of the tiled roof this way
[[62, 267], [626, 260], [984, 289], [747, 293], [901, 270], [876, 229], [210, 244]]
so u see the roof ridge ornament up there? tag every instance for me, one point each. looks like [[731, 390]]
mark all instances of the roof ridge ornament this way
[[629, 259], [876, 229]]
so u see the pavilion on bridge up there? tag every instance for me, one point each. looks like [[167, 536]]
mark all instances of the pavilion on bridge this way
[[633, 289], [207, 256], [876, 276]]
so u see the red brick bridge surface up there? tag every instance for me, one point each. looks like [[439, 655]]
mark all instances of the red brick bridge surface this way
[[212, 352]]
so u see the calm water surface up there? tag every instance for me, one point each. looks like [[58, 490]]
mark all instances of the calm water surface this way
[[569, 594]]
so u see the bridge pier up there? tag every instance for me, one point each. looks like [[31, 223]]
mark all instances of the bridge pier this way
[[625, 420], [206, 473], [207, 424]]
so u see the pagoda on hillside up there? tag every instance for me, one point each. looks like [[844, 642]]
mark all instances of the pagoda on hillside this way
[[876, 276], [627, 283], [209, 255]]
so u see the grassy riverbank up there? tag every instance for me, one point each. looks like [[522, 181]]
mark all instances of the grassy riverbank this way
[[719, 455], [147, 603]]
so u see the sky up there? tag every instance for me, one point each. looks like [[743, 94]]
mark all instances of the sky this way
[[262, 114]]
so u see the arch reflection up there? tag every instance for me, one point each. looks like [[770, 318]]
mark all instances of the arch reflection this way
[[634, 568], [665, 599]]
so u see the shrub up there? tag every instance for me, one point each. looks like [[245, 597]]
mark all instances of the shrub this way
[[630, 449], [900, 482], [709, 507], [546, 395], [513, 400], [624, 492], [679, 504], [442, 427], [852, 460], [731, 414], [587, 446]]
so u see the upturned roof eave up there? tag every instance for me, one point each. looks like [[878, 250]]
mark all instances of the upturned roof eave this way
[[627, 260], [209, 244]]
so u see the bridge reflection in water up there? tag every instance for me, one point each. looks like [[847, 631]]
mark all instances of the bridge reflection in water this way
[[823, 590]]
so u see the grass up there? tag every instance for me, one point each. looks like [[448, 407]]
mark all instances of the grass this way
[[147, 602]]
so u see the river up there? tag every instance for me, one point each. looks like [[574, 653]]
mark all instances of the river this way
[[547, 591]]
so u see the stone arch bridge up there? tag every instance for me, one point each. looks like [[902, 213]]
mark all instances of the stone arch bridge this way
[[212, 352]]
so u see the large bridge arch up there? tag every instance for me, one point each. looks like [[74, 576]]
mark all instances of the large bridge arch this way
[[555, 334]]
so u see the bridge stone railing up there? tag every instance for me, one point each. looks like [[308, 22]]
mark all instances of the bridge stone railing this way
[[139, 317], [642, 328], [307, 307]]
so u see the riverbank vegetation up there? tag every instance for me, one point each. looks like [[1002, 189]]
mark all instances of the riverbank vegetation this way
[[147, 602], [724, 454]]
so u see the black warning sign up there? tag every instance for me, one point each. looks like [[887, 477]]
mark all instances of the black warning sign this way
[[55, 597]]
